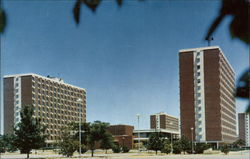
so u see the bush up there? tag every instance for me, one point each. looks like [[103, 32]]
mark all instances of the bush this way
[[83, 149], [225, 149], [201, 147], [125, 149], [166, 149], [116, 149], [177, 148]]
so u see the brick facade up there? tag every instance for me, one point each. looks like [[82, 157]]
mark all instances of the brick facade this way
[[215, 89]]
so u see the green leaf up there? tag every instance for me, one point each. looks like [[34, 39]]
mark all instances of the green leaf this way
[[119, 2], [2, 20], [92, 4], [77, 10], [243, 85]]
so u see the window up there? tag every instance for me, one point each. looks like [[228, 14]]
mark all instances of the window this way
[[197, 60], [198, 73], [198, 81], [198, 67]]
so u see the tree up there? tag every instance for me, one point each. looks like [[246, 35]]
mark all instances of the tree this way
[[97, 133], [107, 142], [225, 149], [177, 148], [166, 148], [186, 144], [68, 145], [85, 129], [91, 134], [29, 133], [155, 142]]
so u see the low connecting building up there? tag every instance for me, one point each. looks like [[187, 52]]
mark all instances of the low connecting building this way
[[166, 125], [55, 102], [123, 135]]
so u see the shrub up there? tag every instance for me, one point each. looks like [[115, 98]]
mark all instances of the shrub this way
[[125, 149], [166, 149], [177, 148], [225, 149], [83, 149], [116, 149], [201, 147]]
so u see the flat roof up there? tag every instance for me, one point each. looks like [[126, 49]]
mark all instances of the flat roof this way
[[156, 130], [47, 78], [208, 48], [200, 48], [163, 113]]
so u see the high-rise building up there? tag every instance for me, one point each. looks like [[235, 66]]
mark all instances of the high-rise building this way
[[164, 121], [55, 102], [207, 103], [244, 126]]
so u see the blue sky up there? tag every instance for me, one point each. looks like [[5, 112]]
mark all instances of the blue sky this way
[[126, 58]]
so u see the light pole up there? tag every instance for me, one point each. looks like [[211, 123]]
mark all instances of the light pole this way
[[171, 135], [192, 139], [79, 101], [138, 118]]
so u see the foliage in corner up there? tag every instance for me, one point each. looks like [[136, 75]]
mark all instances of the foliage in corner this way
[[2, 20], [91, 4], [243, 87], [239, 27]]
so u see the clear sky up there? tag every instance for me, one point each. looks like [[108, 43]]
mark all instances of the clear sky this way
[[126, 58]]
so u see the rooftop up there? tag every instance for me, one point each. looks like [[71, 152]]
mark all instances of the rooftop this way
[[54, 79]]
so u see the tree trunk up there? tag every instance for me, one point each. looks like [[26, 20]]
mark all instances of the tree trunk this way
[[156, 152], [106, 151], [28, 155], [92, 153]]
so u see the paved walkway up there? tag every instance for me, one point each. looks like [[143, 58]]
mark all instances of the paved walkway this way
[[233, 155]]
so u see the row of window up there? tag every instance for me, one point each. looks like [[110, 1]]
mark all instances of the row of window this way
[[50, 101], [51, 84], [58, 112], [56, 94]]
